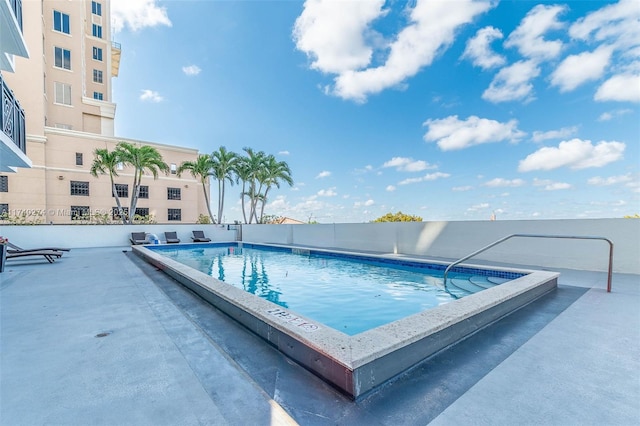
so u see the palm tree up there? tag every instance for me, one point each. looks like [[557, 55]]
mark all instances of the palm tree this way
[[249, 168], [224, 163], [273, 173], [200, 169], [243, 173], [141, 158], [106, 162]]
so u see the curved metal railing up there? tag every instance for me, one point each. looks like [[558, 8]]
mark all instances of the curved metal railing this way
[[572, 237]]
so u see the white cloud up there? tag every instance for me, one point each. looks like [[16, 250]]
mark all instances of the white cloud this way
[[327, 192], [323, 174], [191, 70], [450, 133], [137, 14], [575, 70], [609, 115], [500, 182], [335, 34], [621, 87], [605, 116], [563, 133], [367, 203], [479, 52], [575, 154], [476, 207], [390, 188], [615, 23], [549, 185], [151, 96], [462, 188], [611, 180], [403, 164], [528, 37], [284, 153], [513, 83], [427, 177]]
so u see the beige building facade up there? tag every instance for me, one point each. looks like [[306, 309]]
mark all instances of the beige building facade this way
[[65, 90]]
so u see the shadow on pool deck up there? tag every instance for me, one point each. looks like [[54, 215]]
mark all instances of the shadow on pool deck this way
[[571, 357]]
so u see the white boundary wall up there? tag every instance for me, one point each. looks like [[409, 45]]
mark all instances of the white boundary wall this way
[[453, 240], [83, 236]]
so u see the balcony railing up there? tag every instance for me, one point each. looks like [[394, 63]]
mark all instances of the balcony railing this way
[[12, 117], [16, 5]]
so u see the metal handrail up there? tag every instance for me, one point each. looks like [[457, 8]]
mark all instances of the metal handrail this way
[[573, 237]]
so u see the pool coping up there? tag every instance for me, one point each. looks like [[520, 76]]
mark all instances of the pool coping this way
[[360, 363]]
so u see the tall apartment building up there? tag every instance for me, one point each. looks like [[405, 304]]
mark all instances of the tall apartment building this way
[[65, 90]]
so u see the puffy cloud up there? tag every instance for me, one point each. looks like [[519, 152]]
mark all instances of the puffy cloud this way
[[621, 87], [513, 83], [334, 34], [462, 188], [285, 152], [549, 185], [611, 180], [137, 14], [390, 188], [615, 23], [323, 174], [479, 52], [151, 96], [500, 183], [476, 207], [327, 192], [191, 70], [528, 37], [367, 203], [609, 115], [427, 177], [404, 164], [575, 154], [563, 133], [451, 133], [575, 70]]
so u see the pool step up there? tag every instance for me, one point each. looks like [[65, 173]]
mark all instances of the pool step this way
[[460, 287]]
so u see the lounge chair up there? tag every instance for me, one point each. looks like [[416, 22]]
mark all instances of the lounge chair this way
[[15, 249], [171, 237], [198, 237], [138, 238], [50, 255]]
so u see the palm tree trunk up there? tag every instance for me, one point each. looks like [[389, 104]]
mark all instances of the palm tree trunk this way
[[206, 198], [220, 199], [264, 201], [118, 203]]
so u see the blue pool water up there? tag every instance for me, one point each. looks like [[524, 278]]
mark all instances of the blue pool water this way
[[348, 293]]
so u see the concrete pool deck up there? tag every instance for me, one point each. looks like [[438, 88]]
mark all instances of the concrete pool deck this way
[[571, 357]]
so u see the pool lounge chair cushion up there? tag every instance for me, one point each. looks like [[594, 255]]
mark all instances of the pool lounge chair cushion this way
[[138, 238], [171, 237], [198, 237]]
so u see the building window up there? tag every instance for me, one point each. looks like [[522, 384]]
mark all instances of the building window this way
[[78, 159], [63, 93], [97, 76], [173, 168], [122, 189], [61, 22], [116, 216], [144, 192], [98, 96], [174, 214], [97, 54], [80, 212], [173, 193], [4, 210], [96, 8], [142, 212], [96, 31], [62, 58], [79, 188], [4, 183]]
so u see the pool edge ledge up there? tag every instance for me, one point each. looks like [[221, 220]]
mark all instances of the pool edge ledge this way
[[358, 364]]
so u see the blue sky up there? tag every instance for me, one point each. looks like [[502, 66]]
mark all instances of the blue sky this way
[[448, 110]]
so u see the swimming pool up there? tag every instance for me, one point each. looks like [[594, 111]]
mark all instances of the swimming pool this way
[[357, 364], [347, 293]]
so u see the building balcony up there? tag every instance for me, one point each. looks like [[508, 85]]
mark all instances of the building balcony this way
[[13, 140], [11, 39]]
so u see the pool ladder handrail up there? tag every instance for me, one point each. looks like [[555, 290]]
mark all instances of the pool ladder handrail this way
[[574, 237]]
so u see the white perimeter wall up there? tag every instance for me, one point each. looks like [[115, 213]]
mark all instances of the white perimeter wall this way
[[454, 240], [79, 236], [450, 240]]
